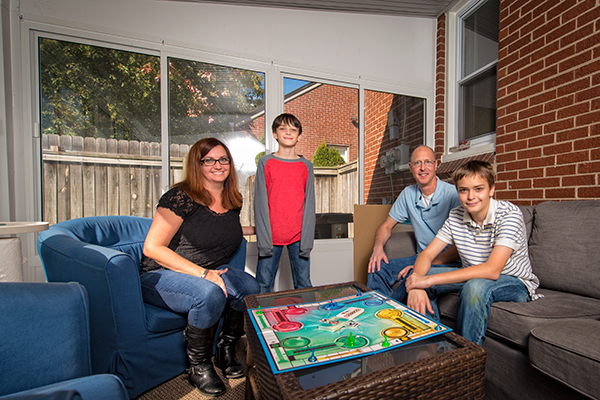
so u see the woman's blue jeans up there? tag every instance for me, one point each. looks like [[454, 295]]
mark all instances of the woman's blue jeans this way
[[267, 268], [476, 298], [202, 300]]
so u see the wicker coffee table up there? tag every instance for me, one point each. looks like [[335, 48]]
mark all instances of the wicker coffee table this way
[[442, 367]]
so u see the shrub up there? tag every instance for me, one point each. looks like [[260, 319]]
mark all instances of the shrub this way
[[326, 157]]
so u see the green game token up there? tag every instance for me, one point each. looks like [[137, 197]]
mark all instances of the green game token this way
[[385, 341]]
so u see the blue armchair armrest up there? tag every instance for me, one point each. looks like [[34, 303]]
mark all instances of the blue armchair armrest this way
[[45, 345]]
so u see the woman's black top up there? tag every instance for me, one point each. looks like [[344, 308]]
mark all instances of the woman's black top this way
[[206, 238]]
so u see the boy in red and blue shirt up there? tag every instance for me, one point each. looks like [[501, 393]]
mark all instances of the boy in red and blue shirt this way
[[284, 207]]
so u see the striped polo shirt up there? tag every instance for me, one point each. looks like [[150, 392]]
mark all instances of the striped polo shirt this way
[[503, 226]]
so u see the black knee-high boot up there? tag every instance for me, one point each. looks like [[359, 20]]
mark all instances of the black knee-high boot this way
[[233, 329], [202, 372]]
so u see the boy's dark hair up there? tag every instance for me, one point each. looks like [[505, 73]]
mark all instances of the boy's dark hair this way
[[483, 169], [287, 119]]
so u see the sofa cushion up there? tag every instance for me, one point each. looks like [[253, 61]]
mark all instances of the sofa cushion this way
[[513, 322], [568, 351], [400, 245], [528, 218], [564, 246]]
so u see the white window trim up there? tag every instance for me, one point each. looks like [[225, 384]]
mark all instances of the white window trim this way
[[487, 143]]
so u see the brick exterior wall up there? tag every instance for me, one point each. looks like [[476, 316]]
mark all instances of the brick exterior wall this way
[[548, 129], [440, 88]]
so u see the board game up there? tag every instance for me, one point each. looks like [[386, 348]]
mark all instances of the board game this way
[[310, 334]]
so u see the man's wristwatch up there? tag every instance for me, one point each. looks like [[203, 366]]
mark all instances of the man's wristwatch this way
[[204, 273]]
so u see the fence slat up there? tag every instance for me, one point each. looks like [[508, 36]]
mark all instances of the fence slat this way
[[87, 177]]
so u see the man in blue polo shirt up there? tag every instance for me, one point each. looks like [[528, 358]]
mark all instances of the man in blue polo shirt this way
[[427, 205]]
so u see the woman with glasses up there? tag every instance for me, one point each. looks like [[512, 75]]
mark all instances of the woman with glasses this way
[[194, 233]]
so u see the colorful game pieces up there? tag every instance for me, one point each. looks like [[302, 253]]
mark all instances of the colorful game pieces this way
[[351, 342], [385, 341], [332, 305], [259, 312], [358, 293], [312, 358]]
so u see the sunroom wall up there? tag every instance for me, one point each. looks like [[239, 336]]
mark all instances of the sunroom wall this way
[[394, 54]]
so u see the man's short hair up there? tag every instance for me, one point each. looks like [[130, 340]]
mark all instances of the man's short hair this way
[[482, 169], [287, 119]]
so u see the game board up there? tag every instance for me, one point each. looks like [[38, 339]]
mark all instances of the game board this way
[[310, 334]]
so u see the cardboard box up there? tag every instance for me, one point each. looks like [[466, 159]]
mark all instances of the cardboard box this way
[[367, 218]]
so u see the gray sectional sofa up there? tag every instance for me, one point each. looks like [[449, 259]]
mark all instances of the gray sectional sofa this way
[[548, 348]]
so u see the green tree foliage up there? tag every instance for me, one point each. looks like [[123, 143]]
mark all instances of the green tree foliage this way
[[327, 157], [207, 99], [100, 92]]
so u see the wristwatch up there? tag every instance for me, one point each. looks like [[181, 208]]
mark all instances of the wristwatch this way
[[204, 273]]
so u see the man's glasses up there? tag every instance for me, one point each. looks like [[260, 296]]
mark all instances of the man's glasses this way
[[211, 161], [427, 163]]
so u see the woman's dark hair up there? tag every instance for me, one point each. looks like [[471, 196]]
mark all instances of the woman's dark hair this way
[[193, 182]]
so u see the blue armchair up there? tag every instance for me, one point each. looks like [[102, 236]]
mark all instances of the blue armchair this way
[[44, 344], [140, 343]]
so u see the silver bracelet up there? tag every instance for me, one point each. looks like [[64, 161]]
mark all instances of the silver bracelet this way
[[204, 273]]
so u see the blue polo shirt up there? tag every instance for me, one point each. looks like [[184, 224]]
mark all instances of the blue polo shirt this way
[[426, 221]]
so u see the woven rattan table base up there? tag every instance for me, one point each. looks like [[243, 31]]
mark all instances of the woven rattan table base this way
[[457, 374]]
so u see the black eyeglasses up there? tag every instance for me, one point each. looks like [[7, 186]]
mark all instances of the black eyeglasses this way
[[211, 161]]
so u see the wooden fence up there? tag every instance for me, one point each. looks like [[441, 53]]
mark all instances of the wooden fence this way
[[85, 177]]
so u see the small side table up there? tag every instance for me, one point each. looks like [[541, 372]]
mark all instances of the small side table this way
[[11, 268]]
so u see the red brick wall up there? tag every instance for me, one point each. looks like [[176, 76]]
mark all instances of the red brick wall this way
[[440, 88], [548, 129]]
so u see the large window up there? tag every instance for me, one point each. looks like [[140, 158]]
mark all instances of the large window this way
[[100, 120], [394, 127], [208, 100], [100, 130], [477, 75], [329, 115]]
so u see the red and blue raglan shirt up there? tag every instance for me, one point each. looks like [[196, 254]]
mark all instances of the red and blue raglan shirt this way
[[284, 204]]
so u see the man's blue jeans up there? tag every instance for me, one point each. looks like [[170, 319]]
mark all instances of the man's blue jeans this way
[[384, 279], [476, 298], [202, 300], [267, 268]]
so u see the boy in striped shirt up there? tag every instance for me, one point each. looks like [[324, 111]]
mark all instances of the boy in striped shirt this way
[[491, 239]]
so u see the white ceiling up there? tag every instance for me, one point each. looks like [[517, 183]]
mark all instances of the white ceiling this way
[[418, 8]]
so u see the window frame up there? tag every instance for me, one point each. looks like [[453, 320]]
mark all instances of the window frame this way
[[481, 144]]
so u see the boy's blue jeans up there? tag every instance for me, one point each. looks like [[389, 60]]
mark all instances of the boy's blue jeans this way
[[476, 298], [200, 299], [384, 279], [267, 268]]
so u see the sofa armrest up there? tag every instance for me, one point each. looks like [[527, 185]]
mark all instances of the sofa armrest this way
[[112, 281], [45, 336], [401, 244]]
